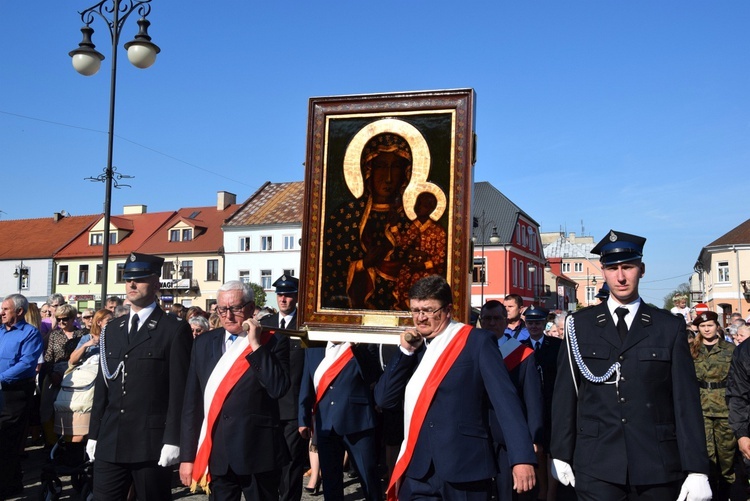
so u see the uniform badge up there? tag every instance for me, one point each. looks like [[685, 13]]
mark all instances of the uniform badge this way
[[283, 278], [132, 257], [612, 236]]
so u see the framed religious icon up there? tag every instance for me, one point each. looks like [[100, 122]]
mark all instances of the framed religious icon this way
[[388, 201]]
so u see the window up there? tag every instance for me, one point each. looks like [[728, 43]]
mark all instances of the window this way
[[244, 276], [174, 235], [95, 239], [288, 272], [187, 234], [520, 273], [288, 242], [83, 274], [515, 272], [167, 270], [186, 269], [723, 271], [120, 271], [244, 244], [266, 243], [62, 274], [25, 280], [532, 240], [478, 271], [579, 267], [98, 273], [590, 294], [112, 238], [265, 279], [566, 267], [212, 270], [518, 233]]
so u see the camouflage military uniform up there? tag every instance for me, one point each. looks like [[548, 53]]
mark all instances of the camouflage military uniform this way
[[712, 368]]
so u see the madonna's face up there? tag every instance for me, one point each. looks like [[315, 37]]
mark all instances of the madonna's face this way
[[386, 177]]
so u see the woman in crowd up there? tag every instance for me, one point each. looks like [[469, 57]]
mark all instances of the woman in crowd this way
[[198, 324], [712, 356], [61, 343], [87, 318], [76, 424]]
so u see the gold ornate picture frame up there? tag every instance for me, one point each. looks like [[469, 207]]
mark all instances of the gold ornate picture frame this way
[[388, 200]]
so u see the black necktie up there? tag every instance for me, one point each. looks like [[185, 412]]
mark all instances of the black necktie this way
[[537, 344], [282, 324], [622, 325], [133, 328]]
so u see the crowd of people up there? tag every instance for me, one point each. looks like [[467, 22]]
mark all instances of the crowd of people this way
[[616, 401]]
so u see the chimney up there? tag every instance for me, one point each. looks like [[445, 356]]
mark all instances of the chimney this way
[[224, 199], [134, 209], [57, 216]]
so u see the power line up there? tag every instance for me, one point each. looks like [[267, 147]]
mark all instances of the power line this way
[[129, 141]]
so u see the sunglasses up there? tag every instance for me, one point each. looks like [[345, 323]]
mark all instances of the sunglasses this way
[[64, 319]]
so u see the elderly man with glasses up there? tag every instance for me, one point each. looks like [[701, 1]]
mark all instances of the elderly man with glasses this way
[[238, 372], [446, 374]]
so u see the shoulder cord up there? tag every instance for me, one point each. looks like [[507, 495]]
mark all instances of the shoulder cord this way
[[575, 353], [103, 361]]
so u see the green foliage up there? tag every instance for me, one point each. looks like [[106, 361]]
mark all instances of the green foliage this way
[[682, 289], [260, 295]]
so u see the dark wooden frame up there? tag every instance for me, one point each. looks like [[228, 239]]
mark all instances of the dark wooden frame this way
[[445, 120]]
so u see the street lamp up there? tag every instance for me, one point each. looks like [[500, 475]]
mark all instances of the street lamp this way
[[87, 60], [494, 239], [21, 273]]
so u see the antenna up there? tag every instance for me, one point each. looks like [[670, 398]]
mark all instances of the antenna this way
[[583, 228]]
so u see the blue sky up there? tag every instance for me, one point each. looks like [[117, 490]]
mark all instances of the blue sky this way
[[590, 114]]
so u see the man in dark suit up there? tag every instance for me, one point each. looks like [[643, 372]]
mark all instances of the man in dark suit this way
[[445, 374], [238, 448], [521, 365], [628, 420], [291, 475], [135, 420], [336, 401], [546, 351]]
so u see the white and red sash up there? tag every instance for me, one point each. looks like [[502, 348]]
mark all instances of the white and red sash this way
[[228, 370], [436, 362], [514, 352], [336, 358]]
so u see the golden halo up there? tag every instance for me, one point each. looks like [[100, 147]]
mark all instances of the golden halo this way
[[410, 198], [420, 153]]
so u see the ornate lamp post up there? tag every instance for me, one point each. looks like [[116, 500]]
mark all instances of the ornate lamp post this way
[[87, 60], [494, 239], [20, 273]]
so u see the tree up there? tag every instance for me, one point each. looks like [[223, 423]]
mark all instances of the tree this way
[[682, 289], [260, 295]]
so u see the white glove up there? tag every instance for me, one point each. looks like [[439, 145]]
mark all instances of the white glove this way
[[695, 488], [170, 454], [563, 473], [91, 448]]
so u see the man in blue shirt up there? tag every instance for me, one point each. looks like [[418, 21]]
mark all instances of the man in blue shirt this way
[[20, 348]]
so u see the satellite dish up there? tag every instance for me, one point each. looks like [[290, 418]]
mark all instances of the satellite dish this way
[[64, 213]]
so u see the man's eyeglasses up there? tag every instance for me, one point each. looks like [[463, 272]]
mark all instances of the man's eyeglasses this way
[[222, 310], [426, 312]]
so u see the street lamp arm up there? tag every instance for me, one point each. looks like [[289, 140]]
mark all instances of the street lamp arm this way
[[115, 13]]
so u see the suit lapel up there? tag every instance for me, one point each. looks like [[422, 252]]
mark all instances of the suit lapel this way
[[145, 328], [607, 328], [639, 328]]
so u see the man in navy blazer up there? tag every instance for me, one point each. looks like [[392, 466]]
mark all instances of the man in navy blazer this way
[[452, 454], [248, 448], [344, 418]]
